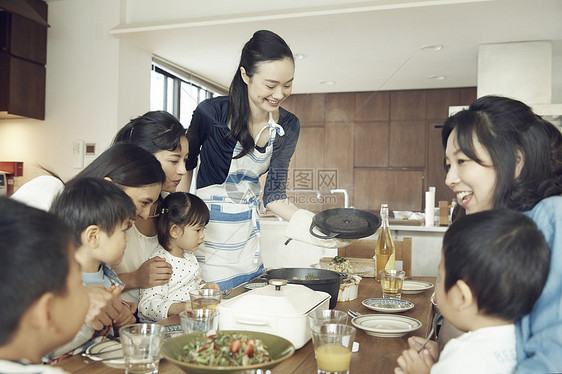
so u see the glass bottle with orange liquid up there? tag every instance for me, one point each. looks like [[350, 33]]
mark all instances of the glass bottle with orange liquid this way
[[384, 250]]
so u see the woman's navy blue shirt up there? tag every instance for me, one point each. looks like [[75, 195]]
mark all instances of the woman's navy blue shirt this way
[[208, 128]]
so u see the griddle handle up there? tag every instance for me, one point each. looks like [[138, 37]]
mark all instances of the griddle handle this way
[[311, 229]]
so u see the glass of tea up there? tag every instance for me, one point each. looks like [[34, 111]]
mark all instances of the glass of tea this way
[[205, 298], [391, 283]]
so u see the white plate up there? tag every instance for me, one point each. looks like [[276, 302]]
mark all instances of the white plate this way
[[388, 305], [113, 350], [412, 287], [251, 286], [386, 325]]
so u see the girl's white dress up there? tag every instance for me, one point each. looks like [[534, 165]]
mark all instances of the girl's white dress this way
[[186, 276]]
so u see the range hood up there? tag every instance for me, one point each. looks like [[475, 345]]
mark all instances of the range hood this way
[[522, 71]]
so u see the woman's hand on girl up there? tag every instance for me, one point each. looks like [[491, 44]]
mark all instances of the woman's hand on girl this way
[[153, 272]]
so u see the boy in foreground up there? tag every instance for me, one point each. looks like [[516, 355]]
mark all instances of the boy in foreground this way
[[44, 301], [493, 267]]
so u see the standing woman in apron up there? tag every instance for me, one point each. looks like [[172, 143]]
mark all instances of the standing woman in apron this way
[[239, 138]]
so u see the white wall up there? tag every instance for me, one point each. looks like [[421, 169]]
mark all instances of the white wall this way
[[95, 84]]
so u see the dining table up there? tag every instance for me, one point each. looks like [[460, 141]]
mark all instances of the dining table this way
[[375, 354]]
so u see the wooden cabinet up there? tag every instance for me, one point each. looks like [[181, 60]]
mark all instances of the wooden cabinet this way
[[371, 144], [385, 146], [401, 189], [407, 143], [23, 55], [407, 105]]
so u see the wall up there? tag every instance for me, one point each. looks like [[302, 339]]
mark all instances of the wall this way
[[95, 84], [382, 147]]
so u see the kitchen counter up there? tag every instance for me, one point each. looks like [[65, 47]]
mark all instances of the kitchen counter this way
[[397, 227], [426, 246]]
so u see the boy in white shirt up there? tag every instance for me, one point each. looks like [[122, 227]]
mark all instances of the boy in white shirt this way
[[493, 267]]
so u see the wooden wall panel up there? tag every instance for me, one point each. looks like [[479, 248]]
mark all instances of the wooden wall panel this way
[[407, 105], [310, 158], [436, 174], [340, 107], [371, 140], [467, 95], [401, 189], [290, 104], [384, 145], [310, 108], [310, 150], [338, 155], [407, 143], [372, 106], [437, 102]]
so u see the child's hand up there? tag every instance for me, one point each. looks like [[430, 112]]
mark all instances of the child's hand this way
[[416, 342], [412, 362], [125, 317], [212, 286], [178, 307], [103, 307]]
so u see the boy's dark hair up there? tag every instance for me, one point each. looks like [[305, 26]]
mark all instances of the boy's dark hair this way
[[502, 257], [182, 209], [93, 201], [34, 249]]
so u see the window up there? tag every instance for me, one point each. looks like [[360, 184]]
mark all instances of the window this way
[[177, 91]]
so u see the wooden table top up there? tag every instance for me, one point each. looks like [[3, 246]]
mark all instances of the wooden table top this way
[[376, 355]]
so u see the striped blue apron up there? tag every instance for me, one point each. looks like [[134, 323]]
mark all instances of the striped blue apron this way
[[230, 253]]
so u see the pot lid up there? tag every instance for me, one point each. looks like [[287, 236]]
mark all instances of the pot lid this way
[[346, 223], [291, 300]]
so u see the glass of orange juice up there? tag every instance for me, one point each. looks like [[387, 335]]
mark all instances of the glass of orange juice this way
[[332, 347]]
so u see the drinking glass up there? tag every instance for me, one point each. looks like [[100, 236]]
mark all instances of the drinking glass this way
[[321, 316], [332, 347], [198, 320], [205, 298], [141, 347], [391, 283]]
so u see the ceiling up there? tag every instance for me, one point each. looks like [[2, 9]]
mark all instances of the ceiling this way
[[359, 46]]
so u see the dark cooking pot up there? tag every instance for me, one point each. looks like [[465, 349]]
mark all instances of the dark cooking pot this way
[[328, 281], [344, 223]]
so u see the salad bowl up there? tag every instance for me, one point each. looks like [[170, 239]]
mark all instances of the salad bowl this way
[[279, 349]]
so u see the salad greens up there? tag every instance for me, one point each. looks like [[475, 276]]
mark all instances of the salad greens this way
[[341, 265], [225, 349]]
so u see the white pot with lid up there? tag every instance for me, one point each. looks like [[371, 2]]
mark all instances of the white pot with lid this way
[[278, 308]]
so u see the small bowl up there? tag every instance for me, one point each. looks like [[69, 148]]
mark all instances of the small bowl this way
[[279, 348], [402, 214]]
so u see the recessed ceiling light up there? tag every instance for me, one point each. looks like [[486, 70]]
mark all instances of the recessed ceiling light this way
[[437, 77], [328, 82], [299, 56], [431, 47]]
